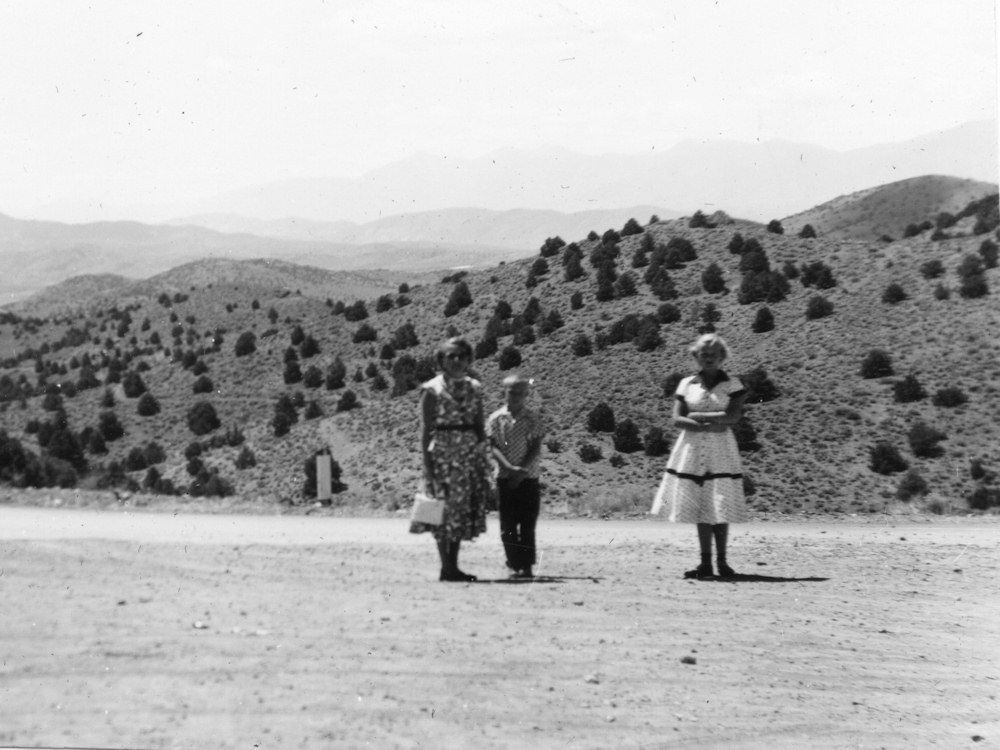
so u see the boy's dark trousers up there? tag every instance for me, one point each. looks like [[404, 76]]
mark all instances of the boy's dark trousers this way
[[519, 508]]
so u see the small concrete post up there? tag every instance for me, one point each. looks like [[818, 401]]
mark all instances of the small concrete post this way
[[324, 479]]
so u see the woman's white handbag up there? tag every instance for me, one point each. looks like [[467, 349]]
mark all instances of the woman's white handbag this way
[[427, 510]]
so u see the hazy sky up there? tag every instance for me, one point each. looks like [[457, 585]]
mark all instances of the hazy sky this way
[[115, 103]]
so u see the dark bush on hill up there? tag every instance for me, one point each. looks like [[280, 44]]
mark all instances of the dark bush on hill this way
[[309, 347], [746, 435], [364, 333], [203, 384], [132, 385], [589, 453], [601, 418], [647, 337], [460, 298], [292, 373], [735, 245], [551, 246], [760, 388], [582, 345], [109, 426], [312, 377], [209, 483], [712, 280], [894, 293], [817, 307], [246, 459], [763, 321], [885, 459], [64, 445], [765, 286], [685, 249], [949, 397], [625, 286], [924, 439], [486, 347], [655, 443], [932, 269], [147, 406], [626, 437], [817, 274], [908, 390], [202, 418], [355, 312], [876, 364], [699, 221], [632, 227], [245, 344], [510, 357], [336, 374], [348, 400], [910, 486], [984, 498]]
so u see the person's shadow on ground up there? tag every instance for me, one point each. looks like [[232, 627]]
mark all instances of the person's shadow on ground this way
[[755, 578], [540, 579]]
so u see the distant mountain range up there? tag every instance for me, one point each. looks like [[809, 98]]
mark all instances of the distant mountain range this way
[[757, 181]]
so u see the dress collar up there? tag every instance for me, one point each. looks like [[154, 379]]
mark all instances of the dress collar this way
[[722, 378]]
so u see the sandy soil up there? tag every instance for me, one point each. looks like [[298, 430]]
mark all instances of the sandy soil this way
[[132, 630]]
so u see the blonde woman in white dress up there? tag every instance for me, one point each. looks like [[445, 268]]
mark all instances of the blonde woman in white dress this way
[[703, 483]]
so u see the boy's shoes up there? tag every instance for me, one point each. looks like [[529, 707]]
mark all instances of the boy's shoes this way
[[522, 573], [701, 572], [457, 575], [725, 571]]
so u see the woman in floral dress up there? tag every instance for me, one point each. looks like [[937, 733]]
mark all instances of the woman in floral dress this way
[[703, 483], [453, 443]]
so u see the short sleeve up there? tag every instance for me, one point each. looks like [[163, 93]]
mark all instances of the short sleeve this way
[[681, 392], [736, 388]]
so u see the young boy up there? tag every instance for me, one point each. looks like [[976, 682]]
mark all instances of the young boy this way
[[515, 433]]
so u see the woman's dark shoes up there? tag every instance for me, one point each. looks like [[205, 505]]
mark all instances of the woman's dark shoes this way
[[725, 571], [524, 573], [701, 572]]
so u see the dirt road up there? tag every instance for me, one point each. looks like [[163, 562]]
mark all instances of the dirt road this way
[[144, 630]]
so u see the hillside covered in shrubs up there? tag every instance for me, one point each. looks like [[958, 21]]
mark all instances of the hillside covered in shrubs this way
[[873, 366]]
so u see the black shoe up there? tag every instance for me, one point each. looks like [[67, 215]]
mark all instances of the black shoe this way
[[725, 571], [702, 572], [524, 573], [458, 575]]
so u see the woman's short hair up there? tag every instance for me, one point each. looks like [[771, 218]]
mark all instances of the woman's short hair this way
[[709, 339], [456, 342]]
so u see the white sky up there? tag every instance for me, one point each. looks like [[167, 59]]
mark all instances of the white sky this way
[[125, 102]]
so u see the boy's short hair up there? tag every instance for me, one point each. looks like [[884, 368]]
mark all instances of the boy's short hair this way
[[517, 378]]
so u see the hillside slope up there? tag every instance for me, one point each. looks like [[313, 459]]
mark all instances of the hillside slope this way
[[887, 210], [814, 439]]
